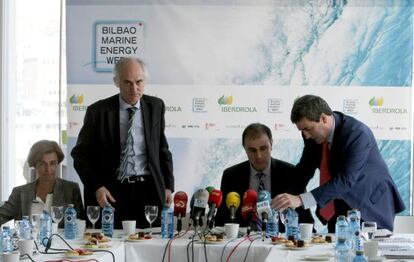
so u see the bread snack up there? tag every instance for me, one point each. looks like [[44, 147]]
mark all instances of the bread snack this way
[[279, 240], [78, 252]]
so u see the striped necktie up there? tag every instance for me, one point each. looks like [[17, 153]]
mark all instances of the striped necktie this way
[[328, 211], [128, 151], [261, 187]]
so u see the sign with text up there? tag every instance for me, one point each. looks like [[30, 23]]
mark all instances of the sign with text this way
[[114, 40]]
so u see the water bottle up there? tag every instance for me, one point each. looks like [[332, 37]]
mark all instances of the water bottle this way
[[108, 220], [341, 230], [354, 213], [6, 239], [25, 230], [272, 229], [167, 222], [45, 227], [70, 222], [342, 252], [355, 234], [292, 224], [359, 256]]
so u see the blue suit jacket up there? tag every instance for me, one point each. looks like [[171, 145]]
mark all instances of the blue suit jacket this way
[[359, 175]]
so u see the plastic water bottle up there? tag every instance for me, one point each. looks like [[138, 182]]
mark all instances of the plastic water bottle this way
[[292, 224], [342, 252], [341, 230], [45, 227], [70, 222], [25, 230], [108, 220], [272, 229], [359, 256], [167, 222], [6, 239], [355, 234]]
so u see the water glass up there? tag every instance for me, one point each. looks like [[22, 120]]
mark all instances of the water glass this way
[[368, 229], [93, 213], [57, 213], [151, 213]]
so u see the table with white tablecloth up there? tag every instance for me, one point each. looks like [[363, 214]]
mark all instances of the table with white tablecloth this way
[[116, 247], [183, 249]]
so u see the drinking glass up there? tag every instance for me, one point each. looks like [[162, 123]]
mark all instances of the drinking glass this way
[[368, 229], [35, 220], [151, 213], [57, 214], [93, 214]]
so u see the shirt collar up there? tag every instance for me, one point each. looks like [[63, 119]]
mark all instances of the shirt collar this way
[[124, 106], [331, 133], [266, 171]]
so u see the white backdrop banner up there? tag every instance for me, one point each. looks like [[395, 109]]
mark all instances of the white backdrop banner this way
[[221, 65]]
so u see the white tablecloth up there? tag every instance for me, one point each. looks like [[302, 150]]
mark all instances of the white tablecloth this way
[[117, 247], [152, 250]]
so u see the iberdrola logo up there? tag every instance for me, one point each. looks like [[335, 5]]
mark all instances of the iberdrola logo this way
[[226, 106], [376, 101], [225, 100], [74, 99]]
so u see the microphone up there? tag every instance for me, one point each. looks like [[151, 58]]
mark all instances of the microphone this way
[[248, 209], [210, 189], [214, 202], [180, 207], [233, 203], [263, 209], [199, 206]]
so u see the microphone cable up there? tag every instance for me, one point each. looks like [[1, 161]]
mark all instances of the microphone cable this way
[[248, 248], [224, 248], [60, 250], [235, 247], [26, 255]]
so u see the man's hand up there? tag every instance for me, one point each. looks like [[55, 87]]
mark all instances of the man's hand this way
[[168, 197], [103, 195], [285, 200]]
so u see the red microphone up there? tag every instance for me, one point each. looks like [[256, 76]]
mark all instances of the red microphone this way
[[180, 207], [214, 202], [248, 209]]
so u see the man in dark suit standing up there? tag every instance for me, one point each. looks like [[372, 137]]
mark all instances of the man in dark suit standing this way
[[122, 154], [261, 170], [353, 173]]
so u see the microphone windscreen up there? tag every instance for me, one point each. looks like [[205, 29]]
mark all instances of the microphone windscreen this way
[[180, 203], [210, 189], [247, 209], [201, 198], [250, 197], [215, 197], [264, 196], [233, 200]]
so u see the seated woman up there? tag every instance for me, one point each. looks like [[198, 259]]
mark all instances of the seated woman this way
[[47, 190]]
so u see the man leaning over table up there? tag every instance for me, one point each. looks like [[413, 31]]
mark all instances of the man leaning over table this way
[[122, 154], [353, 172]]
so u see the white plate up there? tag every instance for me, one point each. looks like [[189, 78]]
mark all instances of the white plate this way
[[319, 257], [212, 242], [78, 257], [296, 248], [95, 248], [138, 240]]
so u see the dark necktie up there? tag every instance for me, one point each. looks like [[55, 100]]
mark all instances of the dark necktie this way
[[128, 151], [328, 211], [260, 188], [261, 182]]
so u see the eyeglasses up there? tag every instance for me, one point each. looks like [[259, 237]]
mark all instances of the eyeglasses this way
[[44, 165]]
